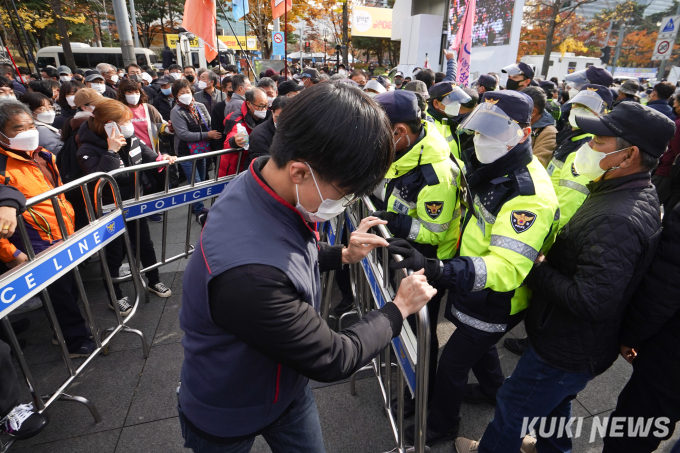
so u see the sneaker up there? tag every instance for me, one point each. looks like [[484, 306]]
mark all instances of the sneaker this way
[[155, 218], [31, 304], [123, 305], [160, 289], [22, 422], [83, 351], [343, 307], [528, 445], [431, 437], [516, 345], [202, 217], [475, 395], [464, 445], [56, 342], [124, 270]]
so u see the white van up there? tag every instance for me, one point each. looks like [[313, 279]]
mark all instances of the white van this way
[[87, 57]]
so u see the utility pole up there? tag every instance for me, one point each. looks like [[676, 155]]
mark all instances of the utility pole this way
[[345, 32], [619, 43], [662, 66], [123, 24], [134, 22]]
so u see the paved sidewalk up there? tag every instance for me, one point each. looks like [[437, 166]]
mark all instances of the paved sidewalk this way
[[136, 397]]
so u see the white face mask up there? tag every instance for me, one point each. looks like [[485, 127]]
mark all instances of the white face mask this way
[[572, 92], [24, 141], [71, 100], [19, 79], [186, 98], [327, 210], [342, 71], [269, 101], [46, 117], [98, 87], [65, 78], [114, 79], [132, 99], [8, 96], [175, 75], [489, 149], [202, 85], [587, 162], [127, 130], [579, 111], [260, 114], [452, 109]]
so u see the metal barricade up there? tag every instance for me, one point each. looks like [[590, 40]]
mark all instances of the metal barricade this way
[[23, 282], [373, 287], [158, 203]]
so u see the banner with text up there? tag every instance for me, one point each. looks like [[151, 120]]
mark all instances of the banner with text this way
[[375, 22]]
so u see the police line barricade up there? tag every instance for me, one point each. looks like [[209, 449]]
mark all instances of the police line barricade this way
[[159, 203], [374, 285], [330, 232], [34, 276]]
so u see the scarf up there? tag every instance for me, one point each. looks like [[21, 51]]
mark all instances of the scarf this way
[[191, 108]]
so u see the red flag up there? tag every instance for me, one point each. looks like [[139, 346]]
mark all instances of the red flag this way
[[279, 7], [199, 19]]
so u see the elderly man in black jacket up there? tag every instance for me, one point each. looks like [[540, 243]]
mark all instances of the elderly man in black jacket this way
[[582, 287], [262, 136], [650, 335]]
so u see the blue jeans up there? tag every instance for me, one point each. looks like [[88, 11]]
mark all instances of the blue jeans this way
[[535, 389], [200, 176], [298, 431], [676, 448]]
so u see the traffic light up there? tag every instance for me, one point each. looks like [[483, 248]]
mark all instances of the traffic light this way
[[606, 54], [307, 46]]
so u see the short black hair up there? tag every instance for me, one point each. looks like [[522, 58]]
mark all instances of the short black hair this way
[[179, 84], [414, 125], [427, 76], [439, 77], [6, 83], [41, 86], [174, 66], [647, 161], [237, 81], [51, 72], [231, 68], [7, 69], [358, 72], [538, 96], [280, 102], [132, 65], [664, 90], [152, 73], [349, 145], [472, 103], [35, 100], [189, 66]]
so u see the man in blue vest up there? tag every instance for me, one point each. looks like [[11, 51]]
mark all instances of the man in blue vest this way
[[253, 335]]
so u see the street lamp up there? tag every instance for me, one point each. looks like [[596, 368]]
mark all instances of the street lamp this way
[[325, 40]]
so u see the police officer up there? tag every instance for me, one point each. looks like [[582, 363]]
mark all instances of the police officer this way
[[514, 217], [419, 197], [486, 83], [520, 76], [551, 106], [570, 187], [591, 75], [443, 105]]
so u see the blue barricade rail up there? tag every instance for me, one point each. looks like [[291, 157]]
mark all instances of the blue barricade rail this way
[[34, 276], [373, 288]]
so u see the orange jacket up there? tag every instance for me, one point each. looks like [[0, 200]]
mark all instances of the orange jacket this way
[[41, 222]]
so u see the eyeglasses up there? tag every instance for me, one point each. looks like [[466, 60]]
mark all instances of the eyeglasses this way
[[349, 199], [260, 106]]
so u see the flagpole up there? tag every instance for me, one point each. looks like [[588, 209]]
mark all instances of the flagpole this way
[[245, 26], [237, 41], [285, 37]]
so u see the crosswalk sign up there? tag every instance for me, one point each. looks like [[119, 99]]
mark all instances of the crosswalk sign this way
[[668, 29]]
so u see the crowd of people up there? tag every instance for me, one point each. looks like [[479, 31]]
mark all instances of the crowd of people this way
[[537, 201]]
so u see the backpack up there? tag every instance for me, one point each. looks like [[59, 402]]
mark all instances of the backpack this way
[[67, 161]]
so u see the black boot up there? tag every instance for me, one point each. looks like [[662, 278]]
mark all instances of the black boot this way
[[475, 395], [516, 345]]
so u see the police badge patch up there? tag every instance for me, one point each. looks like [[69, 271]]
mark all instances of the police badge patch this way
[[434, 208], [522, 220]]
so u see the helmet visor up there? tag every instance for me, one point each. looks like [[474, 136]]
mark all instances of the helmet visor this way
[[457, 95], [590, 99], [577, 78], [490, 120]]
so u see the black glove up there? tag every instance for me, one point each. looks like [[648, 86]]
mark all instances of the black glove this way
[[413, 259], [384, 215]]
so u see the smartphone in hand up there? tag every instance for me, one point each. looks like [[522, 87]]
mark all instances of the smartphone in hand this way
[[110, 128]]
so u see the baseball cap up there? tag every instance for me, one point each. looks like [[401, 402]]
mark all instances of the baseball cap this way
[[599, 76], [630, 87], [64, 70], [487, 81], [375, 86], [519, 68], [418, 86], [638, 124], [164, 80], [595, 97], [399, 74], [288, 87], [310, 72], [87, 96], [400, 105], [93, 75]]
